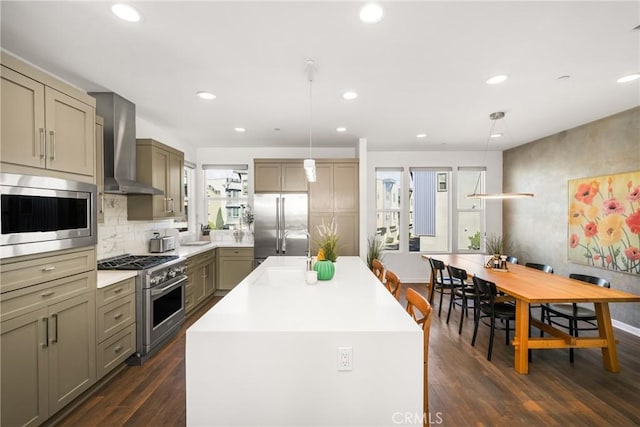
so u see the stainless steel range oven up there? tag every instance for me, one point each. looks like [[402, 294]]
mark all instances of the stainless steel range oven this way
[[160, 292]]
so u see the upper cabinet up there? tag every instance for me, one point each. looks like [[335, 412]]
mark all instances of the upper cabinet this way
[[46, 125], [162, 167], [274, 176]]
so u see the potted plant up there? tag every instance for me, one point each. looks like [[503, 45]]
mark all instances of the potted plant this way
[[327, 250], [498, 247], [375, 246]]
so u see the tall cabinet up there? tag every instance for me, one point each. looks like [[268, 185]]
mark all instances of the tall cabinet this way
[[334, 196], [275, 176]]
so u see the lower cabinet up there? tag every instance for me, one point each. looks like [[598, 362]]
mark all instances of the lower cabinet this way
[[116, 325], [234, 264], [48, 352], [201, 279]]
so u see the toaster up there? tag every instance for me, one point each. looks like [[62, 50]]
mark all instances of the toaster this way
[[161, 244]]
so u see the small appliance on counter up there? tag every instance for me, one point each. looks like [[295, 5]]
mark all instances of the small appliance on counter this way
[[159, 244]]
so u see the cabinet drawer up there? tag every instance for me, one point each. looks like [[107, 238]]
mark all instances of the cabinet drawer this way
[[25, 300], [45, 267], [236, 252], [115, 350], [117, 290], [115, 316]]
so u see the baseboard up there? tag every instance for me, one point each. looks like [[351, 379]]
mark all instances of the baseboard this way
[[627, 328]]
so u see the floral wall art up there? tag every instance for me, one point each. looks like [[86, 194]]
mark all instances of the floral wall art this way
[[604, 222]]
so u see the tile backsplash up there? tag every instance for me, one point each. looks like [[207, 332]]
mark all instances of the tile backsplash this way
[[117, 235]]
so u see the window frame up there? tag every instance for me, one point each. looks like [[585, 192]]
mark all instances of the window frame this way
[[482, 208], [399, 211], [242, 200]]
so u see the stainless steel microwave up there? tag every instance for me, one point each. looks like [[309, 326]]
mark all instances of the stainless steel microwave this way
[[42, 214]]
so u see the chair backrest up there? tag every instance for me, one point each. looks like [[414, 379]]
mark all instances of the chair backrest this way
[[437, 270], [485, 290], [415, 301], [457, 274], [543, 267], [378, 269], [393, 283], [512, 259], [591, 279]]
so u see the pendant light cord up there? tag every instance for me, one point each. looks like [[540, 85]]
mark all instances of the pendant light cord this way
[[310, 76], [484, 154]]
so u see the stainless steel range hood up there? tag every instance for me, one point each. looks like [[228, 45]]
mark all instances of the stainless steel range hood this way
[[120, 145]]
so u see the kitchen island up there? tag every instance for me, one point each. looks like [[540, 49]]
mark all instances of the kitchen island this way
[[276, 351]]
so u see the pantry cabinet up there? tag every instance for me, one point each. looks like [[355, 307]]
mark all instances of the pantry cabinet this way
[[334, 196], [274, 176], [48, 337], [100, 166], [47, 126], [162, 167]]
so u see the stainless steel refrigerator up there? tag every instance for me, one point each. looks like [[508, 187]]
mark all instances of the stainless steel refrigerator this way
[[280, 225]]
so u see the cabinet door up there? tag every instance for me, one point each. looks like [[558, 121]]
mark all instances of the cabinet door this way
[[24, 370], [72, 349], [199, 284], [345, 187], [348, 229], [210, 278], [293, 177], [160, 177], [232, 271], [176, 193], [100, 167], [22, 118], [316, 219], [70, 128], [267, 178], [321, 191]]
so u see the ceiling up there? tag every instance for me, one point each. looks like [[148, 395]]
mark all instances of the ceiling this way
[[422, 69]]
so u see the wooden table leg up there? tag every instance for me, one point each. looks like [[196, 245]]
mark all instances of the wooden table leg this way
[[609, 353], [521, 340]]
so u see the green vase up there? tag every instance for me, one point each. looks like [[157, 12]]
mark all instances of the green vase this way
[[325, 269]]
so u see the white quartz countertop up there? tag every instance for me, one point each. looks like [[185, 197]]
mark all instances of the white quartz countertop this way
[[275, 297], [110, 277]]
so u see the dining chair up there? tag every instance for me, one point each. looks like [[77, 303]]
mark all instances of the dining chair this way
[[378, 269], [415, 301], [490, 305], [542, 307], [512, 259], [573, 313], [461, 293], [392, 283], [439, 282]]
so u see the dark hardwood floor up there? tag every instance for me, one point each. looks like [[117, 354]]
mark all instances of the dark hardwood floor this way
[[465, 389]]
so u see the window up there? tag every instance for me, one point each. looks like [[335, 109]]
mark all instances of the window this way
[[226, 195], [470, 228], [429, 210], [388, 205], [182, 224]]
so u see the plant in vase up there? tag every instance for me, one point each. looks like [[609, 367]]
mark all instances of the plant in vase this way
[[496, 245], [375, 247], [327, 250]]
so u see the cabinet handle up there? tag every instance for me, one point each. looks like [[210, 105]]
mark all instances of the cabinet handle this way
[[48, 268], [118, 349], [46, 332], [43, 136], [117, 290], [117, 316], [55, 328], [52, 138], [47, 294]]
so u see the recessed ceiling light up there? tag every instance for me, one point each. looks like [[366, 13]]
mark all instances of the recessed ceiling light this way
[[421, 135], [494, 80], [371, 13], [239, 129], [636, 27], [206, 95], [565, 77], [496, 135], [349, 95], [341, 129], [629, 78], [125, 12]]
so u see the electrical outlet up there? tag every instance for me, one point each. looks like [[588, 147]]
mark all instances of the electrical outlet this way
[[345, 358]]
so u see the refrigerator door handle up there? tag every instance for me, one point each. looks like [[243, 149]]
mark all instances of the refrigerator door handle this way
[[283, 229], [278, 225]]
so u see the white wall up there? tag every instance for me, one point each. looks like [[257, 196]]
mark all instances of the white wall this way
[[146, 129], [409, 266]]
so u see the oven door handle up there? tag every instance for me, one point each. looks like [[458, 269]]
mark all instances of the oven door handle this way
[[160, 291]]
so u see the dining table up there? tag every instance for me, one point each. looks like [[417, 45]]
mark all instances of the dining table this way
[[531, 286]]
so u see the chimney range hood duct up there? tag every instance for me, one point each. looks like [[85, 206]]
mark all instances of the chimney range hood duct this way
[[120, 145]]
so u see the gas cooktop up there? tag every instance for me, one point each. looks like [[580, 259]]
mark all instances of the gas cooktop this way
[[134, 262]]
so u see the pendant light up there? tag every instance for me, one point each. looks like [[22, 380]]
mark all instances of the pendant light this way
[[310, 164], [494, 196]]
